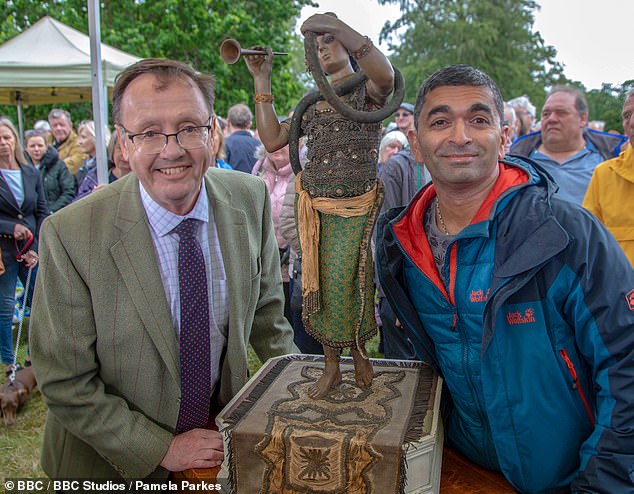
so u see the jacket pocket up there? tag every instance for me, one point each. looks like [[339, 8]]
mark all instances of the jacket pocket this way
[[576, 385]]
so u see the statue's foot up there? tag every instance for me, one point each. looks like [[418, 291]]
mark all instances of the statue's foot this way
[[363, 372], [330, 379]]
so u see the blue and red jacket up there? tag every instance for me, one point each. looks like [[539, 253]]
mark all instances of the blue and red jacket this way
[[532, 331]]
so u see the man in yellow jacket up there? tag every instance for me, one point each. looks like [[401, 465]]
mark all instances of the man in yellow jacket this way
[[65, 140], [610, 195]]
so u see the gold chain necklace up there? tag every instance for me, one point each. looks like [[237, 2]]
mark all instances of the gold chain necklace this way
[[441, 220]]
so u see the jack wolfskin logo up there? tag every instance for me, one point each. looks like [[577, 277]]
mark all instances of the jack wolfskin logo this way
[[629, 296], [479, 295], [519, 318]]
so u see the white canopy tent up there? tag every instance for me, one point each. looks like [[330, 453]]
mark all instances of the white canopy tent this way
[[51, 63]]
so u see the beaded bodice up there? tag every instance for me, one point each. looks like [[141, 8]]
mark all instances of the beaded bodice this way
[[342, 154]]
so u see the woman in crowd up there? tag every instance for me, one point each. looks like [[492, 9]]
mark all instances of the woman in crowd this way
[[275, 168], [118, 166], [22, 210], [219, 149], [391, 144], [338, 194], [58, 182], [86, 138]]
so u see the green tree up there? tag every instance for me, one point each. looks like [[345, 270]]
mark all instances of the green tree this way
[[187, 30], [493, 35], [606, 104]]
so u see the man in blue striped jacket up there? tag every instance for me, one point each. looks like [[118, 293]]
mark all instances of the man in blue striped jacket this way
[[522, 301]]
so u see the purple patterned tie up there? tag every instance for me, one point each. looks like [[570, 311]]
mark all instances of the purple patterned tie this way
[[194, 334]]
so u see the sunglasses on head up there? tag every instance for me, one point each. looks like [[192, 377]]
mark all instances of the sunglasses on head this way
[[403, 114]]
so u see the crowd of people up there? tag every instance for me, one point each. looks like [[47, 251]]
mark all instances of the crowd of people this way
[[502, 257]]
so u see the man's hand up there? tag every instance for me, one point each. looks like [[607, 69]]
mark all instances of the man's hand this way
[[198, 448]]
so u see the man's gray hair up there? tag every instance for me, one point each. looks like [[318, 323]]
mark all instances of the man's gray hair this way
[[523, 102], [240, 116], [59, 113], [581, 104], [508, 106]]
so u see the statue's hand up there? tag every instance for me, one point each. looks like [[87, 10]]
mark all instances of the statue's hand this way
[[321, 24], [260, 65]]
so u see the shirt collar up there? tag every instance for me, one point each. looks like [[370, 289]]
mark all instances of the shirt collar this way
[[163, 221]]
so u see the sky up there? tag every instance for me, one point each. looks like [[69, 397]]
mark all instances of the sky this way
[[593, 38]]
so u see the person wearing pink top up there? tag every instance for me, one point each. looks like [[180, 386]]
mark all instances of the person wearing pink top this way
[[275, 169]]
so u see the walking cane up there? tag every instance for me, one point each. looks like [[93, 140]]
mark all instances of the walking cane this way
[[20, 258]]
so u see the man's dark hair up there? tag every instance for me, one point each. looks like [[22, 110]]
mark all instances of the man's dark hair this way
[[581, 104], [458, 75], [166, 71], [239, 116]]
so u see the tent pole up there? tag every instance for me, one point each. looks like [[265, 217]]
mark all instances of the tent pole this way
[[18, 100], [20, 124], [99, 101]]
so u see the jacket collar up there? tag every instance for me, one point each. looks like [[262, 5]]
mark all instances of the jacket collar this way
[[540, 236], [50, 158], [517, 249], [624, 164]]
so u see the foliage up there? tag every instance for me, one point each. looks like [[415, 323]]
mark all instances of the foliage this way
[[493, 35], [607, 104], [187, 30]]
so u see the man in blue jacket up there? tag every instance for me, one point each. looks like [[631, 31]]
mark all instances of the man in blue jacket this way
[[564, 146], [522, 301]]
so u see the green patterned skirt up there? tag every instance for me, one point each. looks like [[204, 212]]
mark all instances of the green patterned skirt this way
[[341, 298]]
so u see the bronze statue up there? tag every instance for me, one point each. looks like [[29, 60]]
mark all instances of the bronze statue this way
[[338, 194]]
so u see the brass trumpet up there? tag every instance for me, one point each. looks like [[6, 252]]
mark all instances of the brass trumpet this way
[[230, 51]]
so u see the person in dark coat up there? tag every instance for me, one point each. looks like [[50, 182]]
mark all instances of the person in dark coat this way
[[58, 182], [22, 210]]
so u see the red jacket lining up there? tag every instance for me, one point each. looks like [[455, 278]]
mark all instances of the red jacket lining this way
[[411, 235]]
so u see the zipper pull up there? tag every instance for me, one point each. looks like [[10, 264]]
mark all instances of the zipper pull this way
[[455, 322], [571, 367]]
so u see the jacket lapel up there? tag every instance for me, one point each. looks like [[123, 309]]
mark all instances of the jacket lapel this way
[[136, 261], [231, 227]]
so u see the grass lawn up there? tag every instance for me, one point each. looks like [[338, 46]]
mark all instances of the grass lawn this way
[[20, 444]]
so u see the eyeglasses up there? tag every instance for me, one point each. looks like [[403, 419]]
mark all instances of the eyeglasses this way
[[152, 142], [404, 114]]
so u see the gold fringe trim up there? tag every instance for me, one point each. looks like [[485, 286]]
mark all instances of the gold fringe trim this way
[[308, 225]]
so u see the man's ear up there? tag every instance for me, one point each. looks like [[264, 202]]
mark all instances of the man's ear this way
[[584, 120], [414, 145], [122, 141], [504, 136]]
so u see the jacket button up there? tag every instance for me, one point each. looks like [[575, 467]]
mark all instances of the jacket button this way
[[20, 217]]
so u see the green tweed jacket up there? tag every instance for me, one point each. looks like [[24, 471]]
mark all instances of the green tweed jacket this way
[[102, 342]]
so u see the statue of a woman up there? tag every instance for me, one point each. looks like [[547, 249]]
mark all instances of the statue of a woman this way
[[338, 195]]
